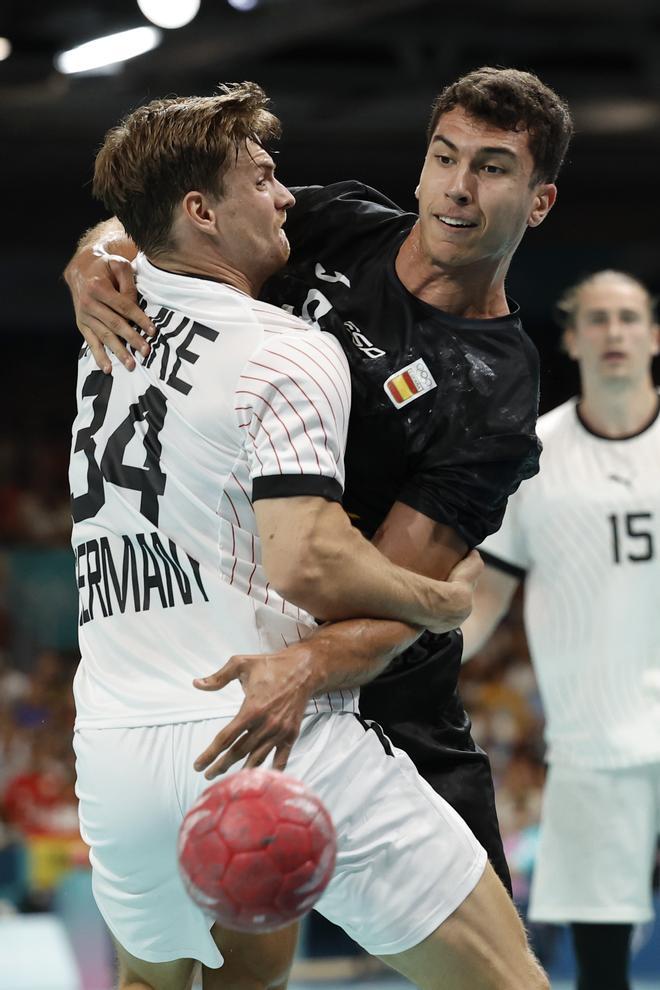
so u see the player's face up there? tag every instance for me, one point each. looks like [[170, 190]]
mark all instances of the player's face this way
[[251, 213], [477, 193], [614, 338]]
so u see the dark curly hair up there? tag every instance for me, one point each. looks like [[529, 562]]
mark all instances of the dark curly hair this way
[[513, 100]]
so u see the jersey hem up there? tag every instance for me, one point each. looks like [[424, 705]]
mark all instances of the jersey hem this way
[[145, 720], [213, 961], [584, 914], [629, 763], [436, 918], [289, 485]]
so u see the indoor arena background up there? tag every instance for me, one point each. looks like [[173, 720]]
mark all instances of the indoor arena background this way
[[353, 81]]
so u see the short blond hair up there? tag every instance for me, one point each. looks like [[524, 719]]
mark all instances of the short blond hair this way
[[167, 148], [568, 303]]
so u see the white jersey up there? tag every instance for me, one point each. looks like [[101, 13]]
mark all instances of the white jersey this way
[[238, 400], [585, 534]]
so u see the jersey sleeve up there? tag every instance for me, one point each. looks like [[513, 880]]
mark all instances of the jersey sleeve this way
[[342, 211], [292, 404], [507, 548], [469, 491]]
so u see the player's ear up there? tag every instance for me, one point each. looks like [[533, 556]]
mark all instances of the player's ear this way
[[417, 191], [544, 199], [198, 210], [655, 339], [569, 343]]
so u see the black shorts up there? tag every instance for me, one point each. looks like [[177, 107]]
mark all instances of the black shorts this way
[[416, 701]]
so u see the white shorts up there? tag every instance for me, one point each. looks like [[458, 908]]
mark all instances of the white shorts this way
[[597, 846], [405, 859]]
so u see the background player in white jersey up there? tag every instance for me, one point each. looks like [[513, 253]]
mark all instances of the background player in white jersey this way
[[585, 536], [206, 493]]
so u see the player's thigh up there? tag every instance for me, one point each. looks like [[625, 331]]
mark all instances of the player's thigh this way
[[252, 962], [469, 952], [137, 974], [134, 786], [405, 860]]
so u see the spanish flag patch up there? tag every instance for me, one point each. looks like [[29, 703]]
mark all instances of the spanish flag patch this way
[[409, 383]]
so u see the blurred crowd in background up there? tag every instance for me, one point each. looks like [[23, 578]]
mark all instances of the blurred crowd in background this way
[[39, 838]]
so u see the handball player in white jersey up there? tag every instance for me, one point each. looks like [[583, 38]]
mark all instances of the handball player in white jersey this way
[[585, 536], [206, 495]]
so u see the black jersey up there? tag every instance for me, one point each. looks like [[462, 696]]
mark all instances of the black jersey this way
[[444, 408], [443, 419]]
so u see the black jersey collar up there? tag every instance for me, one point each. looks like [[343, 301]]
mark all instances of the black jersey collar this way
[[509, 321]]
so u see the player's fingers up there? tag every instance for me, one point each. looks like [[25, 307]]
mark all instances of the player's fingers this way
[[96, 347], [120, 330], [234, 754], [95, 325], [126, 303], [222, 677], [260, 755], [256, 742], [222, 741], [282, 754]]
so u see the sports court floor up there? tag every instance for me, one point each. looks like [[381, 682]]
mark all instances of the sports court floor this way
[[395, 984]]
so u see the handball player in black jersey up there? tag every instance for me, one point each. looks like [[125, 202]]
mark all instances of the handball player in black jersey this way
[[445, 394]]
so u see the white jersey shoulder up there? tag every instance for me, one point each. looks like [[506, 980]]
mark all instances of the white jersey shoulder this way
[[586, 533], [165, 462]]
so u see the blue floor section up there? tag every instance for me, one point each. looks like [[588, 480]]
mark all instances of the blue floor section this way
[[395, 984]]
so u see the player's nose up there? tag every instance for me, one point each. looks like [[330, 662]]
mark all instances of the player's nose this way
[[459, 190], [284, 197]]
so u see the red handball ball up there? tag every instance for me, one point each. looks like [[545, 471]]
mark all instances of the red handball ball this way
[[257, 850]]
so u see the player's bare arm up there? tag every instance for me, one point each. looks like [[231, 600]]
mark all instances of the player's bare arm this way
[[100, 279], [340, 655], [491, 602], [316, 558]]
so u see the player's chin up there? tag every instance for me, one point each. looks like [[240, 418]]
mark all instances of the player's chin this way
[[284, 246]]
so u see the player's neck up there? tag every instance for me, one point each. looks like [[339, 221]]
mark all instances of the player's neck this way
[[206, 265], [619, 412], [473, 292]]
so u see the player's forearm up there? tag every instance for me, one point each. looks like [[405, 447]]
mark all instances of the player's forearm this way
[[491, 602], [353, 652], [346, 577], [476, 631], [108, 237]]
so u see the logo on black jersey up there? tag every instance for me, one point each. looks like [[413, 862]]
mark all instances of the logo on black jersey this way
[[409, 383], [361, 342]]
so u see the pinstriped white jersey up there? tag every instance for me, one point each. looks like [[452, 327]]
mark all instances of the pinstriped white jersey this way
[[585, 532], [237, 401]]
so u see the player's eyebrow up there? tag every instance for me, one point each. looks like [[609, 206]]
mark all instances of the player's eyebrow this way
[[486, 150]]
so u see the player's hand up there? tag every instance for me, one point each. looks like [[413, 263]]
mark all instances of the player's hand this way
[[277, 688], [463, 578], [468, 570], [105, 302]]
